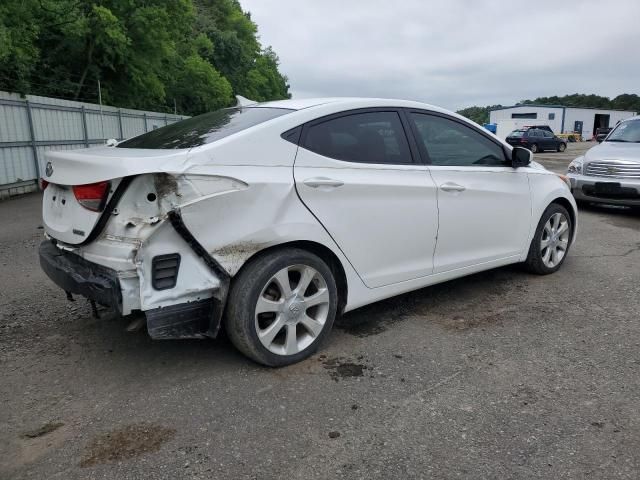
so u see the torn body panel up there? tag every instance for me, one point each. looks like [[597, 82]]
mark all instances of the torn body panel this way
[[236, 225], [138, 231]]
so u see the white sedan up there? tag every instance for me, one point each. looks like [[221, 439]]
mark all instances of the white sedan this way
[[270, 219]]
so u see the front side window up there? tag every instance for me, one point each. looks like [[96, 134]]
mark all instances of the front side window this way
[[450, 143], [203, 129], [547, 134], [371, 137]]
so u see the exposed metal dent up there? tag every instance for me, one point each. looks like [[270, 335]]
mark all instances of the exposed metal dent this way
[[165, 184], [235, 255]]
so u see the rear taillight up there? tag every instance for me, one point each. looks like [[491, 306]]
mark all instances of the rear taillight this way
[[92, 196], [43, 184], [523, 140]]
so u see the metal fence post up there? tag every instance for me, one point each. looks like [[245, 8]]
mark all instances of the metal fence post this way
[[166, 121], [120, 123], [146, 129], [32, 133], [84, 127]]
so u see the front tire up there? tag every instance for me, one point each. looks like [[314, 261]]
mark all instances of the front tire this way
[[562, 147], [281, 307], [550, 243]]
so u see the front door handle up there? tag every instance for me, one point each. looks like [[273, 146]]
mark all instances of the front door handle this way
[[452, 187], [322, 182]]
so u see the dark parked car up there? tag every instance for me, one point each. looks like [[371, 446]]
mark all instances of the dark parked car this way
[[539, 127], [601, 133], [536, 140]]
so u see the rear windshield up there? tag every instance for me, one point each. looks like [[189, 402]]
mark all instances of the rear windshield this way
[[517, 133], [204, 129]]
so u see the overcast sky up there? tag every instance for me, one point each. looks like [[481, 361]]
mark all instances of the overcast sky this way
[[453, 53]]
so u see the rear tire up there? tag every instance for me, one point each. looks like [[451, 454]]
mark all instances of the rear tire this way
[[550, 244], [281, 307], [534, 148]]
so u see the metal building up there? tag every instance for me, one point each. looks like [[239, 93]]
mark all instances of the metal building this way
[[32, 125], [561, 119]]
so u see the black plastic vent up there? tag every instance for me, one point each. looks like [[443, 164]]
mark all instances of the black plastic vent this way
[[164, 271]]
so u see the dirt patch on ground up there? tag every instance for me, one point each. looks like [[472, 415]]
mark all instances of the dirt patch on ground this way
[[32, 446], [43, 430], [340, 368], [627, 219], [472, 319], [126, 442]]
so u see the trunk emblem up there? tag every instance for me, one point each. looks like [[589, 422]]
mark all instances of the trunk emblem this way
[[49, 169]]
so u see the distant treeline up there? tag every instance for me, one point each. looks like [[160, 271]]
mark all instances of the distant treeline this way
[[147, 54], [626, 101]]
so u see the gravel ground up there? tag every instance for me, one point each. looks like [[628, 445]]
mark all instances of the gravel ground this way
[[497, 375]]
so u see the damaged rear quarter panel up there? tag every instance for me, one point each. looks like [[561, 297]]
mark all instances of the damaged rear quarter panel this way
[[236, 225]]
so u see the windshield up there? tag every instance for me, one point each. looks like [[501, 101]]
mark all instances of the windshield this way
[[204, 129], [517, 133], [628, 131]]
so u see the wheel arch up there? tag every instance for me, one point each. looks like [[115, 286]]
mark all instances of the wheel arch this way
[[563, 202], [322, 251]]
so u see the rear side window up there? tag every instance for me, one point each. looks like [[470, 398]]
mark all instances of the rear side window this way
[[203, 129], [372, 137], [450, 143]]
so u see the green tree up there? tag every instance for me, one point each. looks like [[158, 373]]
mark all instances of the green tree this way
[[200, 87], [479, 115], [145, 53]]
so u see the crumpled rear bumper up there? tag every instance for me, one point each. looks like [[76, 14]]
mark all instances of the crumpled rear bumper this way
[[76, 275]]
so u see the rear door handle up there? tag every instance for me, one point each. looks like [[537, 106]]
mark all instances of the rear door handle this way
[[452, 187], [317, 182]]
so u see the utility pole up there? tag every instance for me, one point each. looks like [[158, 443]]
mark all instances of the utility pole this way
[[175, 108]]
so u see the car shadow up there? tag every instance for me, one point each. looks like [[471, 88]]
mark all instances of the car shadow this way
[[453, 304], [107, 342], [616, 215]]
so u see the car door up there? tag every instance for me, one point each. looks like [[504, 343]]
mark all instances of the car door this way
[[357, 173], [550, 140], [533, 136], [484, 204]]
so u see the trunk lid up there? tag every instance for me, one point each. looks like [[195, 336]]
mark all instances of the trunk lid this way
[[67, 214]]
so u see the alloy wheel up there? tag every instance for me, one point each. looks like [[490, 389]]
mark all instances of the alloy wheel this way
[[292, 310], [555, 240]]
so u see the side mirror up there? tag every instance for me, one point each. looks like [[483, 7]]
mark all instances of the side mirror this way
[[520, 157]]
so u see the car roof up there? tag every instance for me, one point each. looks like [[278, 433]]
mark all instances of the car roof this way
[[346, 103]]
